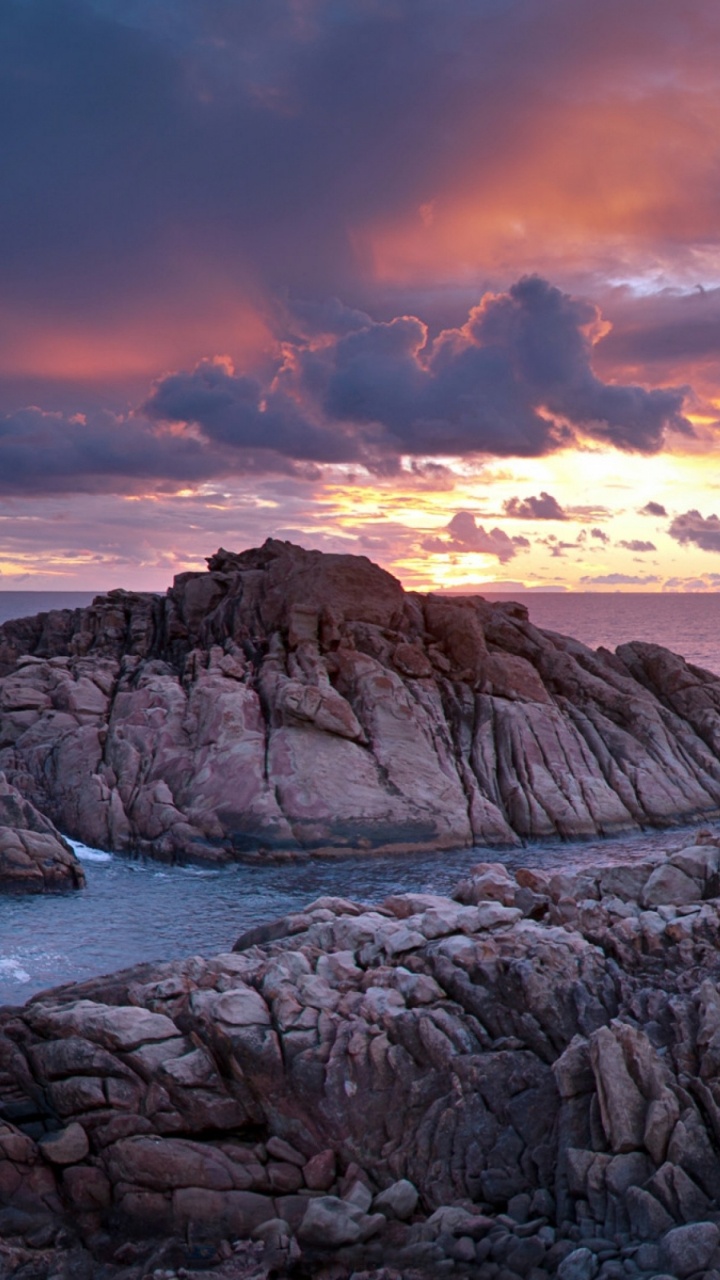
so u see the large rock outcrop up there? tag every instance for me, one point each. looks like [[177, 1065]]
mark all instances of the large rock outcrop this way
[[34, 858], [290, 701], [523, 1080]]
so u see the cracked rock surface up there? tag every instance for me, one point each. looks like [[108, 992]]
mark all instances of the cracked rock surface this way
[[34, 857], [289, 701], [521, 1080]]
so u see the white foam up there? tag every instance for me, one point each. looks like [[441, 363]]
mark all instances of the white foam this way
[[13, 969], [86, 854]]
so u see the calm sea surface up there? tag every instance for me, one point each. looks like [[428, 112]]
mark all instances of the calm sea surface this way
[[133, 910], [23, 604]]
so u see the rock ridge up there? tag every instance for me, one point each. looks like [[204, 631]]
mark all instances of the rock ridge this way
[[519, 1081], [288, 702]]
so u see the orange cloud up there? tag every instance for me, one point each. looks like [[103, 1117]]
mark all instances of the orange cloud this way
[[615, 185]]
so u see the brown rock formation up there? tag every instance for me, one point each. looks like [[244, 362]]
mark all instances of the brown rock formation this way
[[288, 701], [34, 857], [526, 1076]]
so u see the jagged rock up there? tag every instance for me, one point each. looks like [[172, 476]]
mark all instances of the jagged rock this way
[[34, 858], [534, 1105], [287, 701], [329, 1222], [581, 1264], [398, 1200], [622, 1106]]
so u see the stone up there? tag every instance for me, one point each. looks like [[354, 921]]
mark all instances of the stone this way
[[65, 1146], [668, 884], [34, 857], [690, 1248], [359, 1195], [622, 1106], [319, 1172], [581, 1264], [330, 1223], [282, 1150], [398, 1200]]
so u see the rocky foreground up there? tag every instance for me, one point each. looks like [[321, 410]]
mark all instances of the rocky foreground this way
[[287, 701], [519, 1081]]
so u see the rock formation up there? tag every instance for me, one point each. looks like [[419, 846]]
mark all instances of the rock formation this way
[[519, 1081], [288, 701], [34, 858]]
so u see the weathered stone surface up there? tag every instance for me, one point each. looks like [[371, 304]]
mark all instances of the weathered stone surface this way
[[690, 1248], [329, 1222], [65, 1146], [34, 858], [289, 701], [398, 1200], [424, 1083]]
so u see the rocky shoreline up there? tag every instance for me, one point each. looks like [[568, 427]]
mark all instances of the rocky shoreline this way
[[521, 1080], [288, 702]]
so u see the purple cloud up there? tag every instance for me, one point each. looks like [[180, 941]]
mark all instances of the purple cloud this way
[[619, 579], [544, 507], [467, 535], [704, 531]]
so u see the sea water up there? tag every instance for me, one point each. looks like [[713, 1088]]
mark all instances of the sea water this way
[[133, 911]]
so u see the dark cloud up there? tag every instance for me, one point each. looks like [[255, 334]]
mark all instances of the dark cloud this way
[[599, 534], [704, 531], [636, 544], [237, 412], [49, 453], [510, 382], [653, 509], [544, 507], [386, 389]]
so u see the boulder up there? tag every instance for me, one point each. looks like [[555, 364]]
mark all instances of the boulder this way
[[397, 1201], [690, 1248], [34, 857]]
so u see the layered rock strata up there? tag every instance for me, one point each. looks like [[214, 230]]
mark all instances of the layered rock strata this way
[[288, 701], [34, 858], [520, 1081]]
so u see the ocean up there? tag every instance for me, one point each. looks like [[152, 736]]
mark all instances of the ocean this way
[[689, 624], [24, 604], [136, 910]]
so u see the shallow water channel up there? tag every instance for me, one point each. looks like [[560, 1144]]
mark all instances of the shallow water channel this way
[[133, 911]]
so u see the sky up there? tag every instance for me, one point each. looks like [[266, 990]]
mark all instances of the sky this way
[[434, 283]]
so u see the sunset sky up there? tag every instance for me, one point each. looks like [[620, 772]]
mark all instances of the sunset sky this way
[[432, 281]]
